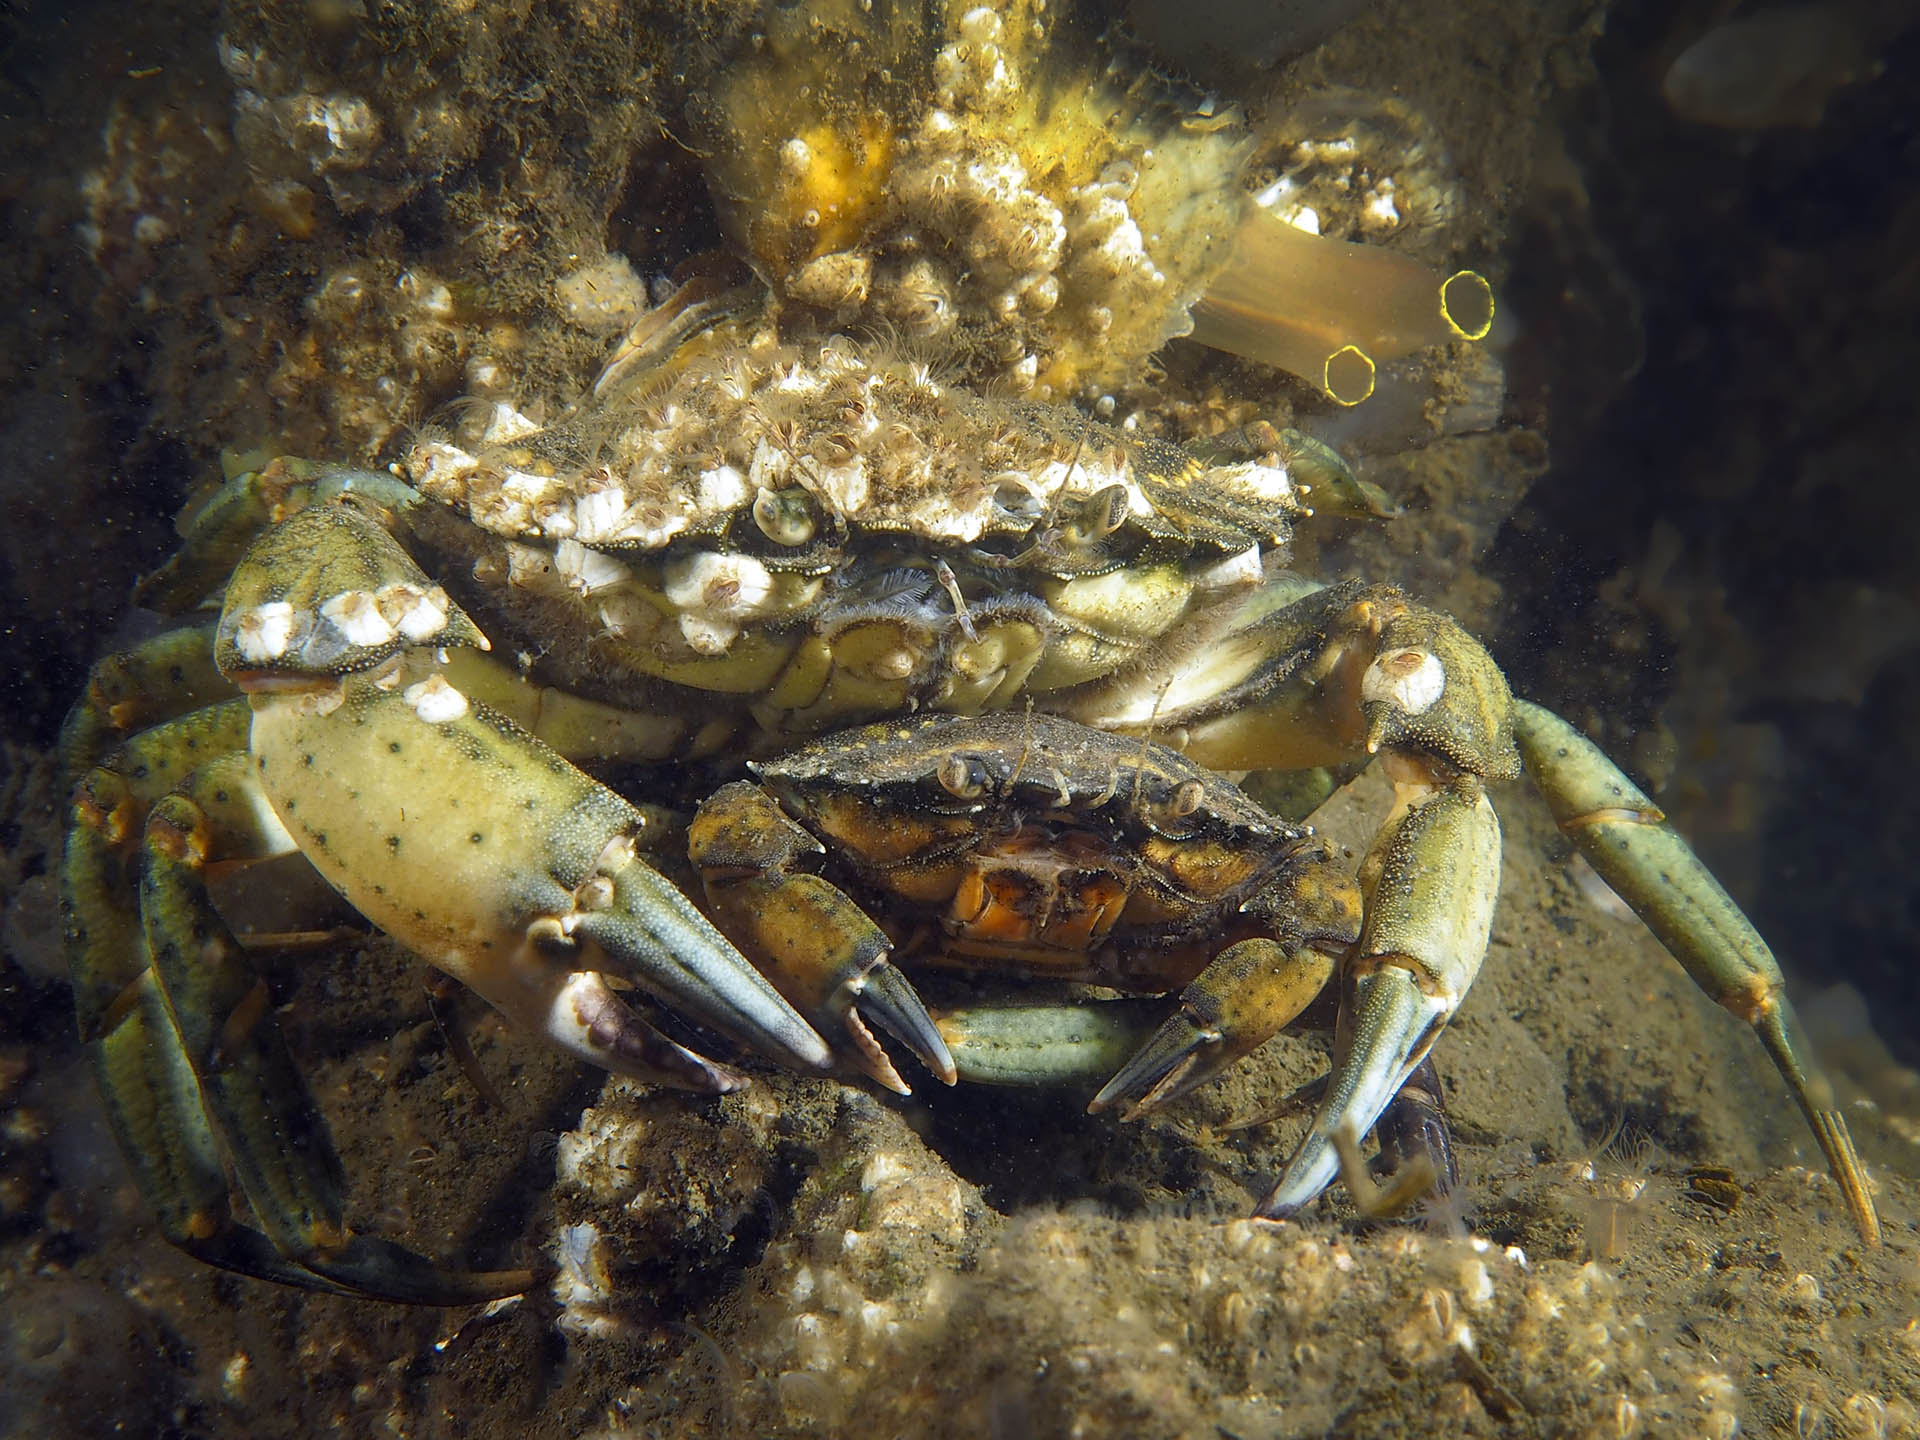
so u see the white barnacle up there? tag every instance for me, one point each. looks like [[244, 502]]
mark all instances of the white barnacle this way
[[1242, 569], [435, 701], [980, 25], [1409, 679], [356, 615], [506, 424], [1259, 484], [527, 487], [628, 616], [844, 487], [721, 488], [707, 636], [718, 587], [322, 699], [529, 567], [1380, 209], [587, 571], [796, 157], [416, 613], [597, 516], [264, 632]]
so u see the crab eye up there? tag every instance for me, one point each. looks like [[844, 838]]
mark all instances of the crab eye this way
[[962, 776], [1018, 500], [1099, 515], [783, 517], [1166, 816]]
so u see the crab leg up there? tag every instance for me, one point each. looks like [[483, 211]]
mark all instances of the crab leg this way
[[1252, 990], [151, 1096], [1040, 1045], [1247, 994], [1428, 919], [252, 1092], [819, 947], [216, 534], [1625, 837], [181, 1034], [155, 680]]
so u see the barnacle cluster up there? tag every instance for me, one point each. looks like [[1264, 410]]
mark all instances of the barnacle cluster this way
[[1001, 188], [978, 178], [298, 139]]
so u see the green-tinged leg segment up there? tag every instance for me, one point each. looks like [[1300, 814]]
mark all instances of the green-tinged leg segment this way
[[1428, 921], [156, 680], [1247, 994], [251, 1090], [582, 729], [1626, 839], [106, 946], [817, 946], [1044, 1045], [153, 1103], [152, 1099]]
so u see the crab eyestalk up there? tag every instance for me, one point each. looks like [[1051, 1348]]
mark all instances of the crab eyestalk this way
[[1332, 312]]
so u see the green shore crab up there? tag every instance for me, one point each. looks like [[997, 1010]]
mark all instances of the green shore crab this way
[[770, 546]]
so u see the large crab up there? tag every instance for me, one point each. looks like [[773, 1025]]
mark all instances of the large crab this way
[[778, 544]]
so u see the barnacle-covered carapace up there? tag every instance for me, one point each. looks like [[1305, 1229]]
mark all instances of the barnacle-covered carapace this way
[[835, 533]]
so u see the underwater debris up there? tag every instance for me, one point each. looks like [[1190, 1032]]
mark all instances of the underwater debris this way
[[1772, 68]]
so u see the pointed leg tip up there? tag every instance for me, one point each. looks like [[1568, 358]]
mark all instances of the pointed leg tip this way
[[1272, 1208], [378, 1269], [1836, 1143]]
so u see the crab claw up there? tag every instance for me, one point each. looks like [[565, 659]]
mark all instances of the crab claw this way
[[1438, 866], [820, 948], [883, 995], [1248, 993], [670, 949], [1253, 989]]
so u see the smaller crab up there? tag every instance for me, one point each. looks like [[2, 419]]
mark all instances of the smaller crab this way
[[1032, 846]]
